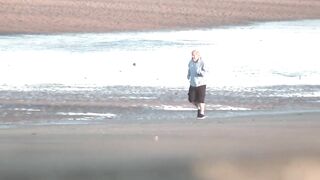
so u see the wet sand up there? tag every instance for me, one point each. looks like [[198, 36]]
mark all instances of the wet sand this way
[[264, 147], [47, 16]]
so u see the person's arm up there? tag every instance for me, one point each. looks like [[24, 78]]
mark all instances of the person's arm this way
[[189, 74], [202, 70]]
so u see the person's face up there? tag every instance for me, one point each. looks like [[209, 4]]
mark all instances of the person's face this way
[[195, 56]]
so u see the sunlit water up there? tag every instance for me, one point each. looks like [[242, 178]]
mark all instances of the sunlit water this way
[[277, 53]]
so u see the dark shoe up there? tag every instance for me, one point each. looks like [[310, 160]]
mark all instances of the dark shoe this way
[[201, 116], [199, 112]]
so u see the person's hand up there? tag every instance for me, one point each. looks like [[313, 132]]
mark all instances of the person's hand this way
[[199, 73]]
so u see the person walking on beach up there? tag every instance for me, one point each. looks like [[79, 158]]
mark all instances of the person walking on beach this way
[[197, 78]]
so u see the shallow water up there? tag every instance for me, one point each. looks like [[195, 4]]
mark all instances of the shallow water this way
[[90, 78]]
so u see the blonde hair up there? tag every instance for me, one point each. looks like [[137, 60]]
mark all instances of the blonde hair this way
[[196, 52]]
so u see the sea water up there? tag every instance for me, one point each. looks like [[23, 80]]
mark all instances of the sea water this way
[[97, 77], [259, 54]]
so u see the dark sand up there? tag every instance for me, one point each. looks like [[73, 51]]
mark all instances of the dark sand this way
[[49, 16], [282, 147]]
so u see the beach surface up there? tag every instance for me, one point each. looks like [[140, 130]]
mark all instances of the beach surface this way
[[140, 133], [264, 147], [134, 133], [48, 16]]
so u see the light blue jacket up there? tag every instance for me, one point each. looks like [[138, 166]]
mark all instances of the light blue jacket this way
[[197, 73]]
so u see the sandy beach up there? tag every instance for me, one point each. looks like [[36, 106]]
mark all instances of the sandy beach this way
[[48, 16], [141, 133], [51, 134], [283, 147]]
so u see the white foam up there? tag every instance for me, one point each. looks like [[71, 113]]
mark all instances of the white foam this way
[[173, 108], [138, 98], [208, 107], [226, 108], [26, 109], [300, 94], [107, 115]]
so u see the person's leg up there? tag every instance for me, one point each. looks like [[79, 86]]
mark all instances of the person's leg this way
[[192, 97], [198, 106], [201, 95], [202, 108]]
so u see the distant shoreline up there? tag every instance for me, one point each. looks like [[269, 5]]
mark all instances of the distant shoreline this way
[[45, 16]]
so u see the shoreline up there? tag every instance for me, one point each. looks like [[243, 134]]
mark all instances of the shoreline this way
[[236, 117], [284, 119], [37, 16], [123, 104]]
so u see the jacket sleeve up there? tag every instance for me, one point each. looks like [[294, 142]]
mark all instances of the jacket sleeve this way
[[188, 75], [202, 70]]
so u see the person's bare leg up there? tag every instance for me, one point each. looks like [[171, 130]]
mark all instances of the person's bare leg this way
[[202, 107], [197, 105]]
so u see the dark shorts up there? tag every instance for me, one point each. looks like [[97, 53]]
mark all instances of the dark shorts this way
[[197, 94]]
